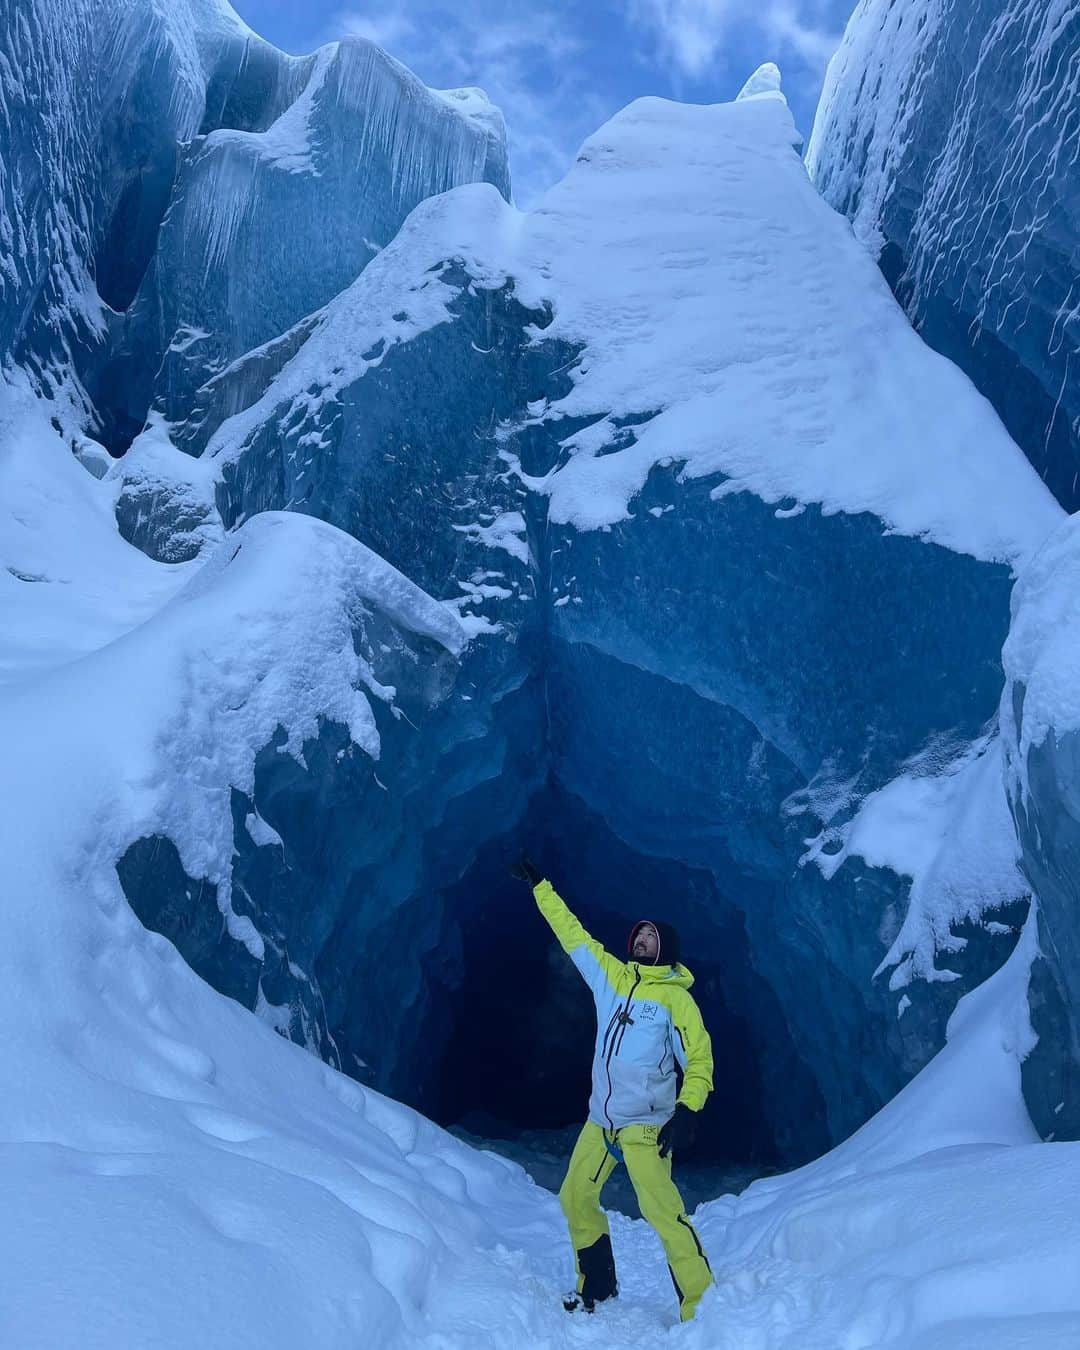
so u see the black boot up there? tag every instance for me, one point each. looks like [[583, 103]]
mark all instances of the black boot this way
[[597, 1266]]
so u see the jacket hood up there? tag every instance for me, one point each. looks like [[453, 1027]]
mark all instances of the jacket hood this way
[[676, 974], [670, 950]]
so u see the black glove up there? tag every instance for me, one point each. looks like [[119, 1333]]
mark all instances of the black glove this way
[[678, 1133], [525, 870]]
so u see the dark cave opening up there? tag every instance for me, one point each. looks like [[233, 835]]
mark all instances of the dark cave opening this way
[[516, 1026], [462, 1004], [130, 238]]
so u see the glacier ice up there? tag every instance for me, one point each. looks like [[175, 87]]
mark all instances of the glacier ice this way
[[949, 132], [720, 552], [1040, 718], [329, 181], [152, 220], [638, 530], [647, 521]]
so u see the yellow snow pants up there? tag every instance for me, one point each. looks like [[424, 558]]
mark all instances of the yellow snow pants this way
[[594, 1158]]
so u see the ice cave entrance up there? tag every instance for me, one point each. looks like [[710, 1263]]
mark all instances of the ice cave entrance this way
[[516, 1022], [461, 1003]]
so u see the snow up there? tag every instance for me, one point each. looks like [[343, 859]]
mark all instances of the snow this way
[[66, 589], [764, 82], [286, 143], [505, 532], [176, 1173], [814, 389], [261, 832], [189, 669], [474, 104], [173, 1172], [945, 824]]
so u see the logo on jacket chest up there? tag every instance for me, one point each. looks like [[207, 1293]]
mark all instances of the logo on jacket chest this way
[[647, 1012]]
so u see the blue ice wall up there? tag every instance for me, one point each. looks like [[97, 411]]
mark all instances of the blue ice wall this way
[[1041, 735], [266, 225], [1048, 822], [652, 707], [95, 102], [176, 191], [949, 131], [692, 671]]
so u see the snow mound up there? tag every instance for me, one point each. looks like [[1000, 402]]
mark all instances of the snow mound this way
[[945, 824], [765, 81]]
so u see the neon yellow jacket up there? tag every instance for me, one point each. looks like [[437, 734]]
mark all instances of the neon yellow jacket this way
[[646, 1022]]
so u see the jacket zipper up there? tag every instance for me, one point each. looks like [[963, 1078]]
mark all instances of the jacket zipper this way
[[623, 1017]]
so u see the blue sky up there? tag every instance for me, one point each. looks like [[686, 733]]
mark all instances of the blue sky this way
[[559, 69]]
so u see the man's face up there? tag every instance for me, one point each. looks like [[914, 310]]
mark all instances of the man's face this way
[[646, 943]]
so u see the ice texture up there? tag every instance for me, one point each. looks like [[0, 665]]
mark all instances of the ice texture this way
[[204, 196], [949, 132], [716, 568], [265, 226], [669, 459], [1040, 719], [638, 531]]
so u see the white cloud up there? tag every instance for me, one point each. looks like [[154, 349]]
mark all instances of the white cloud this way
[[386, 30], [814, 44], [691, 33]]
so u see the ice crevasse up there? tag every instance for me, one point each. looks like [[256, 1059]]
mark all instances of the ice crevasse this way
[[638, 529]]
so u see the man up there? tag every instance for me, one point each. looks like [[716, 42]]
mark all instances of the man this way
[[646, 1023]]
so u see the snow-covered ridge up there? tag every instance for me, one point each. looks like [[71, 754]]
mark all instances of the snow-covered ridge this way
[[258, 636], [813, 390]]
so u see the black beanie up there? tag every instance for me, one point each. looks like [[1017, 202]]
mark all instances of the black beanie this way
[[669, 952]]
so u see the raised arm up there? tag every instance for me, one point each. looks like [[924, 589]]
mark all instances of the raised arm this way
[[596, 965]]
